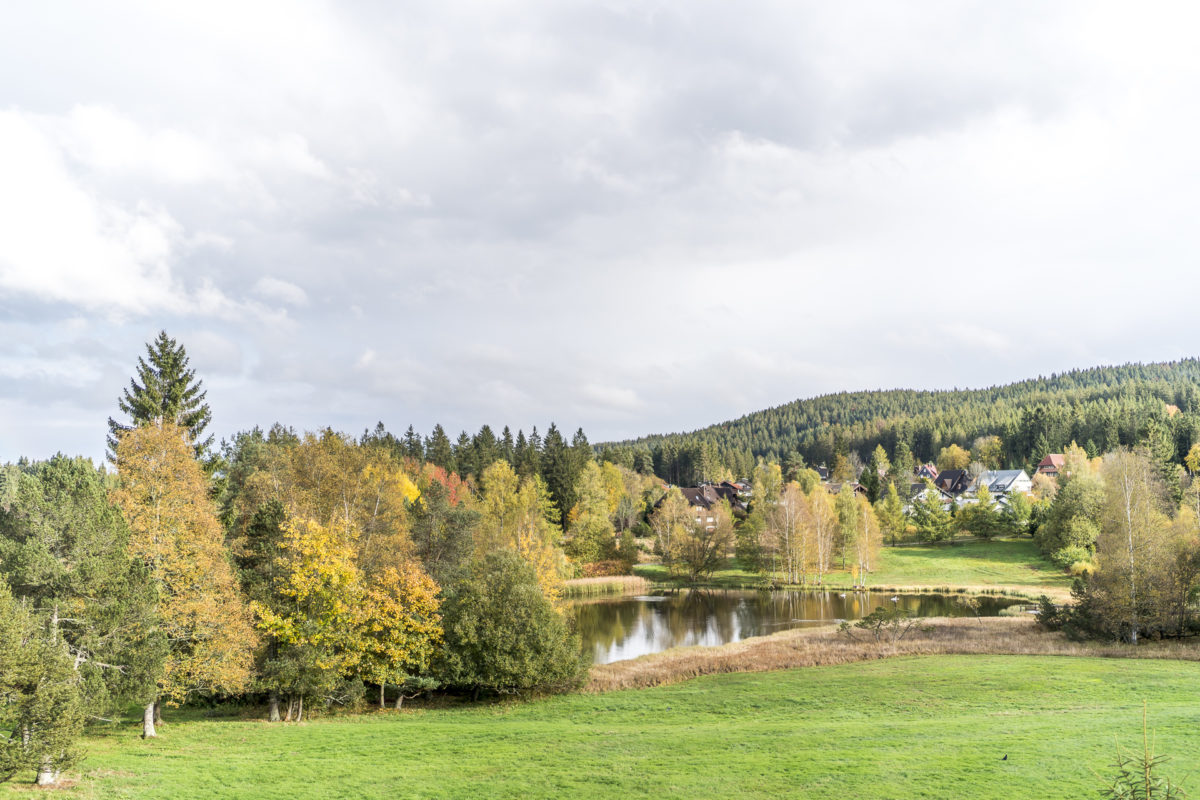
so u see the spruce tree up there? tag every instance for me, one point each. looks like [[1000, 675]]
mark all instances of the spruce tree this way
[[164, 389]]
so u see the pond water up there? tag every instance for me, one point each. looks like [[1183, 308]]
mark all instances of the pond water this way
[[628, 627]]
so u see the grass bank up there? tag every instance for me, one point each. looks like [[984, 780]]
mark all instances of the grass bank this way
[[1001, 566], [908, 727], [809, 647]]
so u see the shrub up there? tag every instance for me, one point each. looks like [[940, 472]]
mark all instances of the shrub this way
[[503, 635], [1064, 557], [1082, 568]]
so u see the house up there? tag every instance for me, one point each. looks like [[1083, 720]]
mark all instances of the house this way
[[740, 489], [835, 488], [701, 499], [920, 491], [953, 481], [927, 471], [1051, 465], [1003, 481], [823, 471]]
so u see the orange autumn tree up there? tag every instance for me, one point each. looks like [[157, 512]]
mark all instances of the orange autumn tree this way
[[164, 496]]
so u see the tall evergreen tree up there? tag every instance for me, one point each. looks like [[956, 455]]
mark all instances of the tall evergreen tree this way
[[164, 389], [412, 445], [438, 449], [558, 472]]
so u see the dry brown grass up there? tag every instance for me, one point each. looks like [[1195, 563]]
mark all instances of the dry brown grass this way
[[1055, 593], [809, 647], [608, 585]]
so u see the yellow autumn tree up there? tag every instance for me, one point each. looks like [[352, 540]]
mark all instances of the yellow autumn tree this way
[[398, 628], [163, 494], [340, 621], [519, 515]]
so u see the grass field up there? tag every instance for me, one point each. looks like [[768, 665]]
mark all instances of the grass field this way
[[897, 728], [1003, 564]]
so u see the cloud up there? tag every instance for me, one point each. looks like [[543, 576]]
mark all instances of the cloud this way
[[629, 217], [281, 290]]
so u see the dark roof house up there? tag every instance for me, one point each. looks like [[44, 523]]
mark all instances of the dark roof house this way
[[953, 481]]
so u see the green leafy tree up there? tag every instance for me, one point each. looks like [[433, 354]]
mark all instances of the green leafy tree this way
[[893, 522], [503, 635], [65, 551], [42, 712], [591, 536], [1015, 517], [165, 390], [931, 519], [981, 518]]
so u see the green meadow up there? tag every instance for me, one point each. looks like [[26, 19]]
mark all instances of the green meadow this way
[[930, 727], [1015, 565]]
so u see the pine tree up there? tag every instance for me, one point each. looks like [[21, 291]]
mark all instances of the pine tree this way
[[438, 449], [164, 389]]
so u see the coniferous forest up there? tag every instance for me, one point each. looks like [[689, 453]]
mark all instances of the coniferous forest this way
[[1100, 409]]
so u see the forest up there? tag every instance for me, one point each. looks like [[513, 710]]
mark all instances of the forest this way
[[1101, 409]]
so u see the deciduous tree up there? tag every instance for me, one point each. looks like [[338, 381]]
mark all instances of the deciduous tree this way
[[174, 531]]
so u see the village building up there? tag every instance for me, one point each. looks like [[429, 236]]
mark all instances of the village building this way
[[1004, 481], [1051, 465], [953, 481]]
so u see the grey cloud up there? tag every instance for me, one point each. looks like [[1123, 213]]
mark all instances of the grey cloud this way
[[632, 217]]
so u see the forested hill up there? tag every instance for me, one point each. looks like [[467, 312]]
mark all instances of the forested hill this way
[[1099, 408]]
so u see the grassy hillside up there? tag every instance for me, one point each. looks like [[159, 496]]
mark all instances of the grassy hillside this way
[[1002, 564], [1103, 406], [899, 728]]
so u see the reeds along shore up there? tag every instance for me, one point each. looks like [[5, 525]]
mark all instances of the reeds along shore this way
[[605, 586], [811, 647]]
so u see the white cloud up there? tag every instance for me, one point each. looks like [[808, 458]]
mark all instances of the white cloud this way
[[281, 290]]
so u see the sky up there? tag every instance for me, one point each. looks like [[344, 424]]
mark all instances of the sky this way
[[634, 217]]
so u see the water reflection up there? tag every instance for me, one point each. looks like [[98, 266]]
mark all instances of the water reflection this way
[[629, 627]]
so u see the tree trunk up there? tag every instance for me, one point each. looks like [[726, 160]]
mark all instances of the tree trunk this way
[[291, 706], [382, 697], [148, 721], [300, 709], [399, 700], [47, 774], [273, 708]]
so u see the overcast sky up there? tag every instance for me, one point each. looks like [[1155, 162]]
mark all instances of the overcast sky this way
[[634, 217]]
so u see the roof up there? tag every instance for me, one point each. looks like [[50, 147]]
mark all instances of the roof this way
[[709, 496], [1053, 460], [1001, 480], [953, 480]]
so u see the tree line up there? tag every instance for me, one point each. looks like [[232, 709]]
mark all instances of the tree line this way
[[298, 570]]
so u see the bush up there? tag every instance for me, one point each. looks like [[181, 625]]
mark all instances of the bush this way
[[1064, 557], [503, 635], [642, 530], [1082, 569], [627, 552]]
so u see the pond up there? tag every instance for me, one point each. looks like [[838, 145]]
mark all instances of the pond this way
[[628, 627]]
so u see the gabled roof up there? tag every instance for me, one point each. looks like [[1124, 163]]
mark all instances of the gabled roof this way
[[1001, 480], [1053, 460], [954, 481], [709, 496]]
